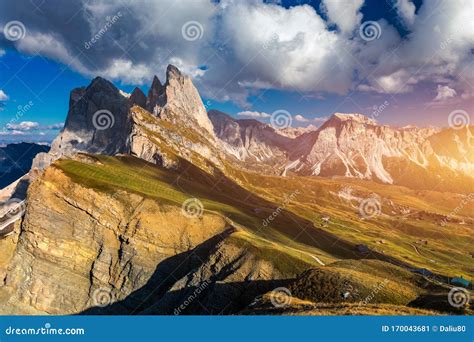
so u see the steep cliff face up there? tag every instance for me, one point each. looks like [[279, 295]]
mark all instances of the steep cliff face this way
[[104, 120], [82, 248], [179, 103], [98, 122], [250, 140]]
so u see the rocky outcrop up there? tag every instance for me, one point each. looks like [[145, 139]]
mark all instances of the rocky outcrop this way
[[250, 140], [97, 122], [183, 105], [137, 98], [100, 120], [155, 99], [82, 250]]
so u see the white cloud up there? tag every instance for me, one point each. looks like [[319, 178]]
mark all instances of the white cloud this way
[[3, 96], [251, 114], [398, 82], [300, 118], [444, 93], [32, 126], [2, 52], [345, 14], [10, 133], [252, 45], [406, 10], [126, 71], [23, 126]]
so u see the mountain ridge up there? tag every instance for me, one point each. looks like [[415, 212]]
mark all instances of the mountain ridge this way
[[144, 207]]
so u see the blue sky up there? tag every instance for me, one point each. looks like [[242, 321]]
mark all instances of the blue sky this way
[[416, 72]]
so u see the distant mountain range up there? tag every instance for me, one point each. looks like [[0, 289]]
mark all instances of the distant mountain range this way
[[16, 159], [346, 145], [147, 204], [352, 145]]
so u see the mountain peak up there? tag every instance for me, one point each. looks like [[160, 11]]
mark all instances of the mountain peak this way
[[360, 118], [172, 72], [156, 91], [102, 85], [138, 98]]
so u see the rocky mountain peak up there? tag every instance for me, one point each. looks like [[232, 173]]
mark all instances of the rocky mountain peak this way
[[182, 103], [102, 85], [155, 95], [173, 72], [138, 98], [352, 117]]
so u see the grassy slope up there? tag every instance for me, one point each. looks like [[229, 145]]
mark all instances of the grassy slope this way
[[311, 199], [448, 249]]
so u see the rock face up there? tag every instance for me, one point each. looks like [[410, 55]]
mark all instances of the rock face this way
[[353, 145], [250, 140], [183, 105], [100, 120], [155, 98], [137, 98], [134, 253]]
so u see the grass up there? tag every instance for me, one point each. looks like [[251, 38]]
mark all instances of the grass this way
[[297, 223]]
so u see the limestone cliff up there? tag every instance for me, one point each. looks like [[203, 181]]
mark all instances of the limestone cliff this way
[[78, 246]]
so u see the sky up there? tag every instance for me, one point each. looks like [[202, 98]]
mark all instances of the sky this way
[[401, 62]]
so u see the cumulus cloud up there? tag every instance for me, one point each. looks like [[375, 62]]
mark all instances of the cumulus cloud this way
[[406, 10], [11, 133], [2, 52], [25, 126], [251, 114], [300, 118], [345, 14], [444, 93], [244, 47]]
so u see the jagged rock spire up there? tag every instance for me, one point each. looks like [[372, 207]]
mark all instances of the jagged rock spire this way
[[138, 98], [156, 91]]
